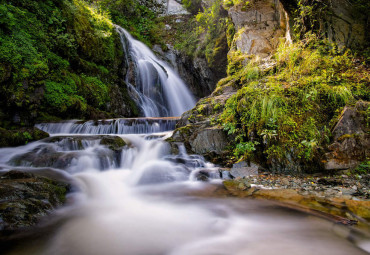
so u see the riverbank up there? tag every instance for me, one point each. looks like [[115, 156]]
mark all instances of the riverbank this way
[[346, 196]]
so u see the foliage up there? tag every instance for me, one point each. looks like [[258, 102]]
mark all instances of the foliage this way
[[286, 111], [193, 6], [135, 17], [57, 58]]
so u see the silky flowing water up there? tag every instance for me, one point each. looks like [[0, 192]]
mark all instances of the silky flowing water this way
[[143, 200]]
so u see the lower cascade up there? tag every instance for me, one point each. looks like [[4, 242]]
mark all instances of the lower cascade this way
[[132, 196]]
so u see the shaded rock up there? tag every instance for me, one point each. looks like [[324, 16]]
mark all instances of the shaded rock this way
[[206, 174], [26, 198], [351, 139], [243, 169], [208, 140], [9, 138], [196, 72]]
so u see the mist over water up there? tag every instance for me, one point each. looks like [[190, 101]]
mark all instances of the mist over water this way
[[137, 204]]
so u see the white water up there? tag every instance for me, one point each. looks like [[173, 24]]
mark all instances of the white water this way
[[153, 84], [114, 126], [136, 204]]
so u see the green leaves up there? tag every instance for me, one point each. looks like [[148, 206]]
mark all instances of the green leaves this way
[[287, 109]]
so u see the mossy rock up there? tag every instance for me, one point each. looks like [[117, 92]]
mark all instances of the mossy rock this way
[[26, 198], [9, 138], [114, 143]]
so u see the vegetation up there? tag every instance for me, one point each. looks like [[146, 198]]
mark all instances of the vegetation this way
[[286, 112], [58, 59], [135, 17]]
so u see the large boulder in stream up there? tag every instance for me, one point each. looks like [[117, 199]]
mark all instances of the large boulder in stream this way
[[26, 198]]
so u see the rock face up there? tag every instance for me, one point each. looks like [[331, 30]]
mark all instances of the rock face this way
[[259, 26], [209, 140], [343, 22], [26, 198], [351, 139], [198, 133]]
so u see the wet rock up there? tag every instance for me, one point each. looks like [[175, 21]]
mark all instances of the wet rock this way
[[207, 174], [243, 169], [44, 156], [114, 143], [225, 174], [26, 198], [351, 139]]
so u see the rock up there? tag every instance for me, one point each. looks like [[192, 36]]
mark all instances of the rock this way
[[209, 140], [206, 174], [351, 139], [175, 8], [239, 187], [225, 174], [259, 27], [26, 198], [243, 169], [114, 143], [21, 136], [196, 72]]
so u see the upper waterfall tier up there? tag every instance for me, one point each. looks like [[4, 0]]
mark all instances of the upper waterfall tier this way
[[113, 126], [152, 83]]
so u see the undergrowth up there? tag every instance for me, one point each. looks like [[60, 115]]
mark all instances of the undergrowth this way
[[286, 111]]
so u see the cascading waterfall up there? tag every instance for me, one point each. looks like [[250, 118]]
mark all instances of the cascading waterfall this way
[[113, 126], [132, 196], [154, 85]]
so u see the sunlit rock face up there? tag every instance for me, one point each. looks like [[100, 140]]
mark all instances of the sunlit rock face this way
[[259, 26]]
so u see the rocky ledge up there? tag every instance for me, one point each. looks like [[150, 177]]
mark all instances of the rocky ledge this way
[[347, 197]]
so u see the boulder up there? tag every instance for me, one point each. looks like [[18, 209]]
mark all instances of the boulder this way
[[243, 169], [211, 139], [351, 139], [26, 198]]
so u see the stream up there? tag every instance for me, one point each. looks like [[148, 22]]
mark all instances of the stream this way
[[141, 199]]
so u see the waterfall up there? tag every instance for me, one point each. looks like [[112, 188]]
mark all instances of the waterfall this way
[[113, 126], [152, 83]]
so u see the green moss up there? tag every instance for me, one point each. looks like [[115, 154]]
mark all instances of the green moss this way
[[288, 110], [58, 59]]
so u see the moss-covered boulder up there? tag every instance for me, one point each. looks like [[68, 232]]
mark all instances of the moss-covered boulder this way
[[26, 198], [9, 138]]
